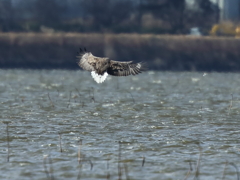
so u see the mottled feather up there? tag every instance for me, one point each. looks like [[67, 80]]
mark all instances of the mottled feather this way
[[102, 65], [118, 68]]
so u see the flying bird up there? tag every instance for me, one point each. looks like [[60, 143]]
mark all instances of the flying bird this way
[[101, 67]]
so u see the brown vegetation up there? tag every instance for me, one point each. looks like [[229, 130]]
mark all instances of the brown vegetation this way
[[162, 52], [104, 16]]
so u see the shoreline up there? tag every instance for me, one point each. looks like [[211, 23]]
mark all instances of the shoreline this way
[[160, 52]]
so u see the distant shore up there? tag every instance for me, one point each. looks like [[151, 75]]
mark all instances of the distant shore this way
[[160, 52]]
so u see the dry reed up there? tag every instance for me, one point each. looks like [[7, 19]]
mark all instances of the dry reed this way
[[39, 50], [143, 161], [49, 173], [50, 100], [224, 170], [126, 171], [79, 157], [197, 172], [8, 144], [108, 174], [79, 94], [92, 97], [189, 171], [60, 142], [237, 170], [69, 99], [79, 151], [231, 104], [131, 96], [119, 162]]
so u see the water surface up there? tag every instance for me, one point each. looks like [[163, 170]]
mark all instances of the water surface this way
[[173, 120]]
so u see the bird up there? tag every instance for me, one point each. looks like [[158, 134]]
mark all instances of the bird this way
[[101, 67]]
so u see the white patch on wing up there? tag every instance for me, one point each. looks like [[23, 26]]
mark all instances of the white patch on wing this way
[[85, 56], [99, 78]]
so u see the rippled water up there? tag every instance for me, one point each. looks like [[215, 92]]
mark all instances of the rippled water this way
[[171, 119]]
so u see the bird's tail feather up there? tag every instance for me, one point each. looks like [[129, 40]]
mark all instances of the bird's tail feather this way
[[99, 78]]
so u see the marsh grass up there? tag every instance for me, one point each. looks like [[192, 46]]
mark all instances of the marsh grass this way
[[8, 143], [79, 95], [108, 173], [69, 100], [197, 172], [231, 105], [225, 169], [133, 100], [60, 142], [126, 171], [48, 171], [50, 100], [91, 94], [119, 162], [189, 171], [143, 161], [164, 52], [122, 167], [237, 170], [79, 151], [79, 158]]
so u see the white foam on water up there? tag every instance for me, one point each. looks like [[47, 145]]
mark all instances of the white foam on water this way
[[99, 78]]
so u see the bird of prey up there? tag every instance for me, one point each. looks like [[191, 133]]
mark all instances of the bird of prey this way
[[100, 67]]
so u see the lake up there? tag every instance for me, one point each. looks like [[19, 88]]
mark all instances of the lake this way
[[158, 125]]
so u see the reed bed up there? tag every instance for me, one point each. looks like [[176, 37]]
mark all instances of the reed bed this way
[[161, 52]]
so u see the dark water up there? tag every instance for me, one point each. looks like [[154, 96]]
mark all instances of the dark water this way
[[171, 119]]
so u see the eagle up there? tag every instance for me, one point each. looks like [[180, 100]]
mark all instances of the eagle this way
[[101, 67]]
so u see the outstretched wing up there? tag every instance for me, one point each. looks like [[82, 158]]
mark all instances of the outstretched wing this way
[[118, 68], [92, 63]]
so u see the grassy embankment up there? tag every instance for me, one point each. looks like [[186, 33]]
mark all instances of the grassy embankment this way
[[162, 52]]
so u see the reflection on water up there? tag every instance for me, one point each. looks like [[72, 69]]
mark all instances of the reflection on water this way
[[168, 118]]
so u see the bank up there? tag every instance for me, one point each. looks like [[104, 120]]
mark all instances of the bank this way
[[160, 52]]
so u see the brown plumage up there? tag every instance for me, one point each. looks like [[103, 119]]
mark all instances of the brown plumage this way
[[100, 67]]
